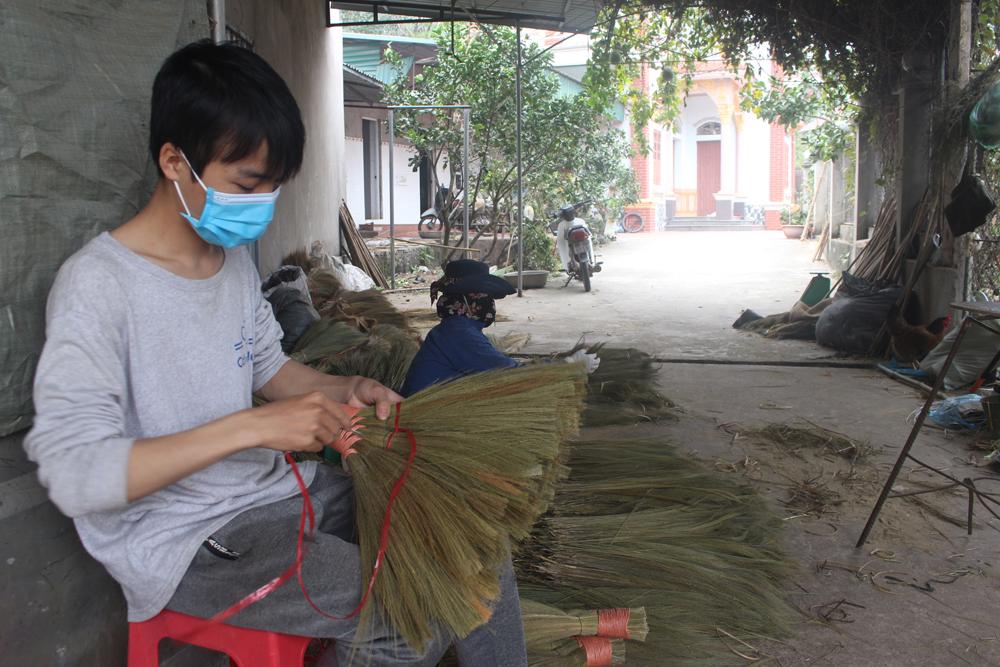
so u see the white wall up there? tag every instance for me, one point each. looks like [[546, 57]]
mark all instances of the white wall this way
[[754, 160], [407, 186], [293, 37]]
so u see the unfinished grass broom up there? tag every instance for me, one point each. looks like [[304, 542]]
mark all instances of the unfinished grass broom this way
[[479, 469], [545, 625]]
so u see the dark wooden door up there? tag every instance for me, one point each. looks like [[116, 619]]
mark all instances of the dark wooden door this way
[[709, 175]]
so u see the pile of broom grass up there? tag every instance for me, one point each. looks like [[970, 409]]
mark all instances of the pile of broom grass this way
[[637, 524], [628, 523], [804, 435]]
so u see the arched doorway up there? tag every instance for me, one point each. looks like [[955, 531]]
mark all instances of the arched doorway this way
[[708, 136], [698, 156]]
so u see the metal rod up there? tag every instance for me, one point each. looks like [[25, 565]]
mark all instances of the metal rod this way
[[465, 180], [938, 383], [217, 17], [520, 187], [972, 499], [428, 106], [392, 200]]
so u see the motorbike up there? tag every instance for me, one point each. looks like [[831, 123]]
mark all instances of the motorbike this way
[[575, 244], [431, 220]]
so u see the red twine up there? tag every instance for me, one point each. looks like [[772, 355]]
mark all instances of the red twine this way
[[597, 649], [613, 623], [308, 516]]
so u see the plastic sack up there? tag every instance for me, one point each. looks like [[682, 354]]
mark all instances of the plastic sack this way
[[984, 119], [959, 412], [287, 290], [853, 319], [971, 202], [351, 277], [977, 350]]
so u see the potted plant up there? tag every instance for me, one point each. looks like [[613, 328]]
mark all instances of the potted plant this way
[[793, 220], [539, 256]]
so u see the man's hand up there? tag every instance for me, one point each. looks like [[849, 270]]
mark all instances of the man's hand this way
[[362, 392], [302, 424], [295, 379]]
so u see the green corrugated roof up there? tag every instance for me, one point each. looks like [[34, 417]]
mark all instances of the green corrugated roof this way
[[367, 58], [571, 87], [388, 38]]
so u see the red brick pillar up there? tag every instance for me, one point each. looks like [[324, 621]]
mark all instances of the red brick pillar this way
[[778, 173]]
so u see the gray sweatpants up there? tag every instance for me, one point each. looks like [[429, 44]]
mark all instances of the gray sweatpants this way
[[263, 541]]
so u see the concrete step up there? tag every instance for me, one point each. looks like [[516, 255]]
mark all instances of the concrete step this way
[[695, 225]]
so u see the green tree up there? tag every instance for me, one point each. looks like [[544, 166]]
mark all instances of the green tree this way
[[567, 146], [806, 100]]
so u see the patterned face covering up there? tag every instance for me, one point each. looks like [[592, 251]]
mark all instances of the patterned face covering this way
[[478, 306]]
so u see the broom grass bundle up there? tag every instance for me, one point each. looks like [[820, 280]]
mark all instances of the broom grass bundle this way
[[510, 344], [324, 340], [385, 355], [488, 448], [610, 476], [636, 524], [362, 310], [583, 652], [545, 624], [623, 389], [794, 438]]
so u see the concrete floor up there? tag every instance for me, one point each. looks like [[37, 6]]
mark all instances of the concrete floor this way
[[920, 592]]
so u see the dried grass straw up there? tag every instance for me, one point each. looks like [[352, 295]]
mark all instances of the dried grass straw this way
[[794, 438], [488, 456], [636, 524]]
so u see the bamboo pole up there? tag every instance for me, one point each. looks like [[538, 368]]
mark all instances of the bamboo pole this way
[[437, 245]]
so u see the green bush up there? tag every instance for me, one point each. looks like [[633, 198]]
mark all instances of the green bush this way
[[539, 247]]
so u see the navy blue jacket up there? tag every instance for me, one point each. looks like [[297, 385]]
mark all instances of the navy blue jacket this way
[[455, 347]]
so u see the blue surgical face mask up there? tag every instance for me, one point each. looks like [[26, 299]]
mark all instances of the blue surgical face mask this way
[[230, 220]]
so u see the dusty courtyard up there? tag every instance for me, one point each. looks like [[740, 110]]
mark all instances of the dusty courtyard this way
[[920, 592]]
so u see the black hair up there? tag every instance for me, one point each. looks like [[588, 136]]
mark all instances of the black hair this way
[[221, 102]]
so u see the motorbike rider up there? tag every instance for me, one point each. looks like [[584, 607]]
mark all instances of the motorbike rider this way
[[568, 220]]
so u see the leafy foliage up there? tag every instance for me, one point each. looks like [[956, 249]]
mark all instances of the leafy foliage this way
[[828, 107], [856, 47], [569, 151]]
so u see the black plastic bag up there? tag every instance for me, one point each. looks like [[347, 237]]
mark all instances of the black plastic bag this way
[[288, 293], [971, 202], [854, 318]]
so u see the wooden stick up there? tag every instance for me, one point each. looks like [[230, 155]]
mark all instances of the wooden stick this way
[[807, 232], [438, 245]]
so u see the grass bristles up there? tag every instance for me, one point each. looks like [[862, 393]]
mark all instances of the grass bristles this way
[[362, 310], [511, 343], [487, 449], [794, 438], [326, 339], [623, 389], [582, 652], [385, 356], [637, 524], [545, 624]]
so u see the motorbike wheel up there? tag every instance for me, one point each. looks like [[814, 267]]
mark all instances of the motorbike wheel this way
[[632, 223], [429, 224], [584, 273]]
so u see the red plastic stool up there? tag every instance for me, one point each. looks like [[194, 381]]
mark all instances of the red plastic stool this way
[[245, 648]]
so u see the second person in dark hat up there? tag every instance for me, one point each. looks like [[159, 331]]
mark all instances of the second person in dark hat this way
[[466, 303]]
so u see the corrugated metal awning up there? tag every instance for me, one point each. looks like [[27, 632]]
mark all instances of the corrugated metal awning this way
[[561, 15], [360, 88]]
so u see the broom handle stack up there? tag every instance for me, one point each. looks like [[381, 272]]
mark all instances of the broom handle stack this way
[[361, 256]]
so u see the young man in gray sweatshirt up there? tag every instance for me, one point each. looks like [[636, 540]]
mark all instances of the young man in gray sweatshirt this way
[[157, 337]]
